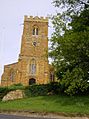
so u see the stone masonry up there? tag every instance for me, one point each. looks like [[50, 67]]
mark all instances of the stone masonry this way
[[32, 66]]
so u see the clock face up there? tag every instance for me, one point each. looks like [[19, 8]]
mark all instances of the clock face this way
[[34, 43]]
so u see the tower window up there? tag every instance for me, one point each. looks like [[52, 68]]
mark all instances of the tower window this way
[[35, 31]]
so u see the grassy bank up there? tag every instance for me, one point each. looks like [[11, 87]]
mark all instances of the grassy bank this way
[[79, 104]]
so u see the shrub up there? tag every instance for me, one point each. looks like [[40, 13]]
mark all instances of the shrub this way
[[36, 90], [3, 91], [16, 87], [42, 89]]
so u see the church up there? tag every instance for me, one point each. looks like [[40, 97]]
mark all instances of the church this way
[[32, 66]]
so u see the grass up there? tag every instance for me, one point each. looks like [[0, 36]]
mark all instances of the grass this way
[[61, 104]]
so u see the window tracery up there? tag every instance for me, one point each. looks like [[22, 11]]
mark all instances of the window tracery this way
[[33, 67]]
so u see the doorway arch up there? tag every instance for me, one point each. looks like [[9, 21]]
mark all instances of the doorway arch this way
[[32, 81]]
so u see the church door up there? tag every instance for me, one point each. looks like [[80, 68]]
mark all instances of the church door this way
[[32, 81]]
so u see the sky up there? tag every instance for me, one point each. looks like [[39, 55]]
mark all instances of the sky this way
[[11, 19]]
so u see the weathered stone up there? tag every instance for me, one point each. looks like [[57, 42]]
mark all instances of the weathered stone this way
[[33, 55], [18, 94]]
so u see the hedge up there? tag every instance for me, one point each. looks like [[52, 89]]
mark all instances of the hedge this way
[[42, 89]]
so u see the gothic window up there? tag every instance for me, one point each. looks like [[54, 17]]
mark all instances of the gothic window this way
[[33, 67], [35, 31]]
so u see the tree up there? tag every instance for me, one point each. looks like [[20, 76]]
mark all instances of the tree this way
[[70, 45], [72, 6]]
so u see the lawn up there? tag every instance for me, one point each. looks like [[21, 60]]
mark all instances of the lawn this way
[[78, 104]]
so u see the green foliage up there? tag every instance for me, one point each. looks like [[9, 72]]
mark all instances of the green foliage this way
[[43, 89], [72, 6], [16, 87], [74, 82], [35, 90], [3, 91], [70, 45]]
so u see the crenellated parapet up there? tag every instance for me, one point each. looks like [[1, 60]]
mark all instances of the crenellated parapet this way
[[36, 18], [32, 66]]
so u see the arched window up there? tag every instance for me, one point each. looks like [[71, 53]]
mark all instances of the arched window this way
[[33, 67], [35, 31]]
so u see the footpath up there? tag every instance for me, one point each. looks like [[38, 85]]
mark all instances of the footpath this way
[[45, 115]]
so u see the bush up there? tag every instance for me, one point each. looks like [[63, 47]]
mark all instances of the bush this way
[[42, 89], [35, 90], [3, 91], [16, 87]]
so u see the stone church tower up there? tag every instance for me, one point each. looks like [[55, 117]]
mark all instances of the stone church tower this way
[[32, 66]]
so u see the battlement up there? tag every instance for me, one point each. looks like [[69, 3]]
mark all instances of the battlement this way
[[36, 18]]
